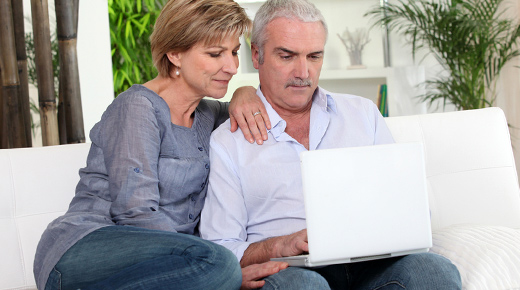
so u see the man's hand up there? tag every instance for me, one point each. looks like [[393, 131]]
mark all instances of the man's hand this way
[[291, 245], [247, 111], [252, 273], [284, 246]]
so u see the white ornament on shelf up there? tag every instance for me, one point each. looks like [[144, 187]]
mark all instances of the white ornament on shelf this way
[[354, 43]]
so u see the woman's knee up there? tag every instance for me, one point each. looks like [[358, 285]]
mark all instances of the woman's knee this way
[[220, 265], [228, 264]]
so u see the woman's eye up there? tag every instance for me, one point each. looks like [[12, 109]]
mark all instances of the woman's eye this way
[[214, 54], [235, 53]]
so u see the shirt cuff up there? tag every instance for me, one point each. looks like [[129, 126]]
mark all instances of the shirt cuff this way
[[237, 248]]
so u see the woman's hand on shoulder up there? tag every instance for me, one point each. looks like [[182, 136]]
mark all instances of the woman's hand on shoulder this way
[[247, 111], [252, 274]]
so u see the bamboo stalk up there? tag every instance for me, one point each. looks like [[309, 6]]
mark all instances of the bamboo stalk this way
[[21, 56], [4, 141], [69, 74], [43, 54], [10, 78], [62, 119]]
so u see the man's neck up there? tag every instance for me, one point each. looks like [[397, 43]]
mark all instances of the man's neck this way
[[297, 119], [298, 126]]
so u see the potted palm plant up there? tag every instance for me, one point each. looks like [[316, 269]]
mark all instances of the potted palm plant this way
[[471, 39]]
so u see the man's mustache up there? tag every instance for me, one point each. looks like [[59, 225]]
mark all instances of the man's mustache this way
[[299, 83]]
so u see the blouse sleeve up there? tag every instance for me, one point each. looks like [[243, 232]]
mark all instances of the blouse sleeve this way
[[130, 141], [220, 111]]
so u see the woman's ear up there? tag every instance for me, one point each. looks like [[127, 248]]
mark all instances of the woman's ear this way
[[174, 58]]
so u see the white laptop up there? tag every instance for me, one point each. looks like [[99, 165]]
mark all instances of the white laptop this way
[[364, 203]]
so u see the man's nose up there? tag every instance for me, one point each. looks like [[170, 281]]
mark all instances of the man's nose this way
[[301, 69]]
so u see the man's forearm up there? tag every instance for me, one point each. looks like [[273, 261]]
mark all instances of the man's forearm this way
[[283, 246], [260, 252]]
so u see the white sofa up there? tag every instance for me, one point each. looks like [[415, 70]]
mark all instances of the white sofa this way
[[472, 179]]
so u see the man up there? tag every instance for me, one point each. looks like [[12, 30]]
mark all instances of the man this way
[[254, 205]]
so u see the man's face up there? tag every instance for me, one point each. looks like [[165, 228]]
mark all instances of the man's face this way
[[293, 56]]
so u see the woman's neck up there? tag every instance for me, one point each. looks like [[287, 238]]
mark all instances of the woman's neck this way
[[181, 106]]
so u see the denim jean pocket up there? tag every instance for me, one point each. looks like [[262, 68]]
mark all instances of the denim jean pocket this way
[[54, 280]]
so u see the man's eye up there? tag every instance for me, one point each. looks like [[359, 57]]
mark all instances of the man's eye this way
[[234, 53], [214, 54], [286, 56]]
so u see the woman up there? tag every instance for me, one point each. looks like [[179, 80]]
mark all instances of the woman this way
[[132, 223]]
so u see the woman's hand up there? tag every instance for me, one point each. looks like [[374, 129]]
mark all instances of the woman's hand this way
[[247, 111], [251, 274]]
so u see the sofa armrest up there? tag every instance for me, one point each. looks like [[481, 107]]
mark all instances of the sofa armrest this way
[[36, 186]]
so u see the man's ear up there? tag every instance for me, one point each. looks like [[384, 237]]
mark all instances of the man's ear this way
[[255, 55], [174, 58]]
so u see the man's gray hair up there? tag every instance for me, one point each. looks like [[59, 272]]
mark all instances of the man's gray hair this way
[[301, 10]]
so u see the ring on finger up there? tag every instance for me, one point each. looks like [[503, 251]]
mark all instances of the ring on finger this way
[[257, 113]]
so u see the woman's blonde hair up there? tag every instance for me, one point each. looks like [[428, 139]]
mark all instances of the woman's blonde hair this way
[[184, 23]]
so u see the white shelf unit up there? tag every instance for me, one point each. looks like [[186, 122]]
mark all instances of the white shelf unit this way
[[339, 14]]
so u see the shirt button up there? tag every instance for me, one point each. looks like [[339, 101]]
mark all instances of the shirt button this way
[[193, 198], [136, 170], [207, 166], [202, 185], [201, 149], [191, 216]]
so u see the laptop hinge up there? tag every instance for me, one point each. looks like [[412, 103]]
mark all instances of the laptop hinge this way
[[368, 258]]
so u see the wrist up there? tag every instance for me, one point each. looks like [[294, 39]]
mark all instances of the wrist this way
[[276, 247]]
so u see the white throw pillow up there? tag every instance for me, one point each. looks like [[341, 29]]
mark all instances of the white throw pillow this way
[[488, 257]]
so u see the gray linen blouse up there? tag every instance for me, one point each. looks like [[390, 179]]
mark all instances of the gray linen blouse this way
[[141, 171]]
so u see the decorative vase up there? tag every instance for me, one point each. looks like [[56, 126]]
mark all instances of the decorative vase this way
[[354, 43]]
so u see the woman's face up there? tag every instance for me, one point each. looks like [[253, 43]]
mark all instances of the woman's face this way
[[207, 70]]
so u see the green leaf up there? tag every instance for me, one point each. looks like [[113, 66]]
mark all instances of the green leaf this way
[[124, 52], [128, 30]]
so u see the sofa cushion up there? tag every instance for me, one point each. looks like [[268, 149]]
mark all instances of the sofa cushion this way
[[470, 166], [488, 257]]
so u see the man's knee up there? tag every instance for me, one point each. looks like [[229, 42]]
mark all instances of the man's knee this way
[[432, 271], [294, 278]]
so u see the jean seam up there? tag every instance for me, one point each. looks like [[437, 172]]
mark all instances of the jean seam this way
[[273, 286], [388, 283], [58, 284], [168, 275]]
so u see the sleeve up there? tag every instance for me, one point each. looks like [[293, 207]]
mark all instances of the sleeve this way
[[220, 111], [223, 114], [130, 141], [224, 216], [382, 134]]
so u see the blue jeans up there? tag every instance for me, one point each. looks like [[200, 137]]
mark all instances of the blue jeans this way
[[123, 257], [418, 271]]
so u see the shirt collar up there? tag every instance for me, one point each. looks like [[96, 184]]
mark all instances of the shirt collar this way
[[321, 99]]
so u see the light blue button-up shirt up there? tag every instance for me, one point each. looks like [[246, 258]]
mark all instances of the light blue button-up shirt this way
[[255, 191]]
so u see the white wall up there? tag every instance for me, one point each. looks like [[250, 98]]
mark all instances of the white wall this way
[[94, 60]]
